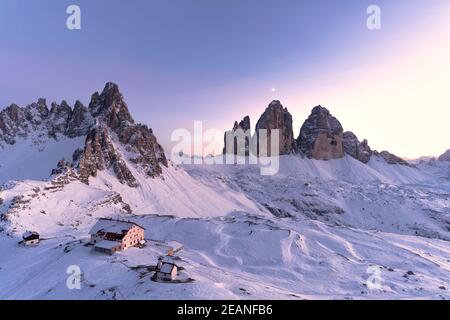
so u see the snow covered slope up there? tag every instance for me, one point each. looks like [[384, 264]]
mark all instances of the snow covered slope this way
[[235, 257], [28, 160], [380, 196], [317, 229], [28, 190]]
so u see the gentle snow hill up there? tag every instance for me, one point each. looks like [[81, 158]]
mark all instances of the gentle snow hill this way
[[235, 257], [28, 159], [439, 169], [380, 196], [346, 169]]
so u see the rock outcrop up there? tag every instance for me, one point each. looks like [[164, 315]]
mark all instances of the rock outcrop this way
[[391, 158], [353, 147], [12, 124], [79, 122], [445, 156], [276, 117], [233, 135], [58, 118], [100, 154], [58, 122], [321, 136]]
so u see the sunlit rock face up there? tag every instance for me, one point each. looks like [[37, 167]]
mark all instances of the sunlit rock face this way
[[277, 117], [353, 147], [321, 136]]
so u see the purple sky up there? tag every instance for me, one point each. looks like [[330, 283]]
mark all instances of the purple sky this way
[[211, 60]]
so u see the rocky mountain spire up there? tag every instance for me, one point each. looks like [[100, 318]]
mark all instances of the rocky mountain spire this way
[[277, 117], [58, 117], [79, 122], [110, 107], [111, 113], [244, 125], [321, 136]]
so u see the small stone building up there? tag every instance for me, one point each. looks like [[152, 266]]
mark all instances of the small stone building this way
[[31, 238], [110, 236], [166, 271]]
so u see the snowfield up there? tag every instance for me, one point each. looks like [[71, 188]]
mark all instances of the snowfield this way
[[316, 230], [234, 257]]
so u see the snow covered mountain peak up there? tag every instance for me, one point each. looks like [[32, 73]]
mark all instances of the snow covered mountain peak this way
[[114, 122], [110, 106], [112, 139]]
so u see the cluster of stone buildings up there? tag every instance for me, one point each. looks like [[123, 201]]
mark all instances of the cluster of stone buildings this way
[[110, 236]]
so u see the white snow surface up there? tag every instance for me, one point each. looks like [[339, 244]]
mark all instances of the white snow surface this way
[[29, 159], [313, 231], [111, 226]]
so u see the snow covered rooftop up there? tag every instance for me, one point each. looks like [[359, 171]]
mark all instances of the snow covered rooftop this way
[[166, 259], [106, 244], [112, 226], [30, 235], [167, 267]]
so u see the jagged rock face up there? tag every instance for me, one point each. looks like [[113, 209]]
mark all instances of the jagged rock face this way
[[12, 124], [37, 113], [59, 121], [358, 150], [79, 122], [321, 136], [445, 156], [62, 167], [148, 153], [391, 158], [277, 117], [100, 154], [244, 125], [106, 122], [58, 118], [110, 108], [16, 122]]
